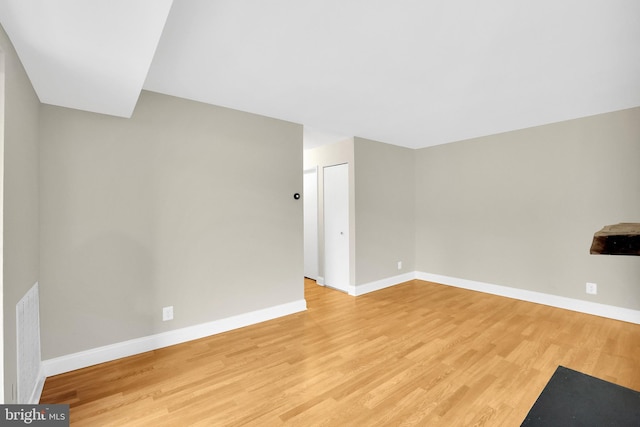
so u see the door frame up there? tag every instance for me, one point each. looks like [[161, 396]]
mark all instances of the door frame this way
[[314, 271]]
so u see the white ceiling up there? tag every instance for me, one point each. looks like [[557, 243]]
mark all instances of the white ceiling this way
[[407, 72], [89, 55]]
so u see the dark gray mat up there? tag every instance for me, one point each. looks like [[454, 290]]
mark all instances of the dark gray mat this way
[[571, 398]]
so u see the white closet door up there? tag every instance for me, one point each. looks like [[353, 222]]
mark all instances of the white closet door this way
[[336, 226]]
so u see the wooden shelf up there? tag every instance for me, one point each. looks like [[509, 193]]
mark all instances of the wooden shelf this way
[[618, 239]]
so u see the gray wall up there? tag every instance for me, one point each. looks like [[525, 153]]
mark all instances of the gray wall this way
[[385, 210], [184, 204], [519, 209], [20, 199]]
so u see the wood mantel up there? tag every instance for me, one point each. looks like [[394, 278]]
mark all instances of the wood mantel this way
[[618, 239]]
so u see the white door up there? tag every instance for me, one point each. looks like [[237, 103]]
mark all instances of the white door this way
[[336, 226], [310, 198]]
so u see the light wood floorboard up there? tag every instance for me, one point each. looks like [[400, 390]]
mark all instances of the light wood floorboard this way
[[418, 353]]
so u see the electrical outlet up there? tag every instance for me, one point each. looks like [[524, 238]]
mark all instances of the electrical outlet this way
[[167, 313], [399, 265], [592, 288]]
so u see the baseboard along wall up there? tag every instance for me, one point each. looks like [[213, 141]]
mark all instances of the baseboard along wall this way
[[108, 353], [380, 284], [581, 306]]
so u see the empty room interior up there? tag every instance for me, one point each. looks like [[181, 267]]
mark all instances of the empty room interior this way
[[316, 213]]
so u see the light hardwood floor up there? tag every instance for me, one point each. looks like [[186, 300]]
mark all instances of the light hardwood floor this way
[[414, 354]]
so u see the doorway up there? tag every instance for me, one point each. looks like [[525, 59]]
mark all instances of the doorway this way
[[310, 207]]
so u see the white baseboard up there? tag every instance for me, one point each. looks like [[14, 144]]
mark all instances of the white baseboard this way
[[588, 307], [107, 353], [37, 390], [320, 280], [380, 284], [115, 351]]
